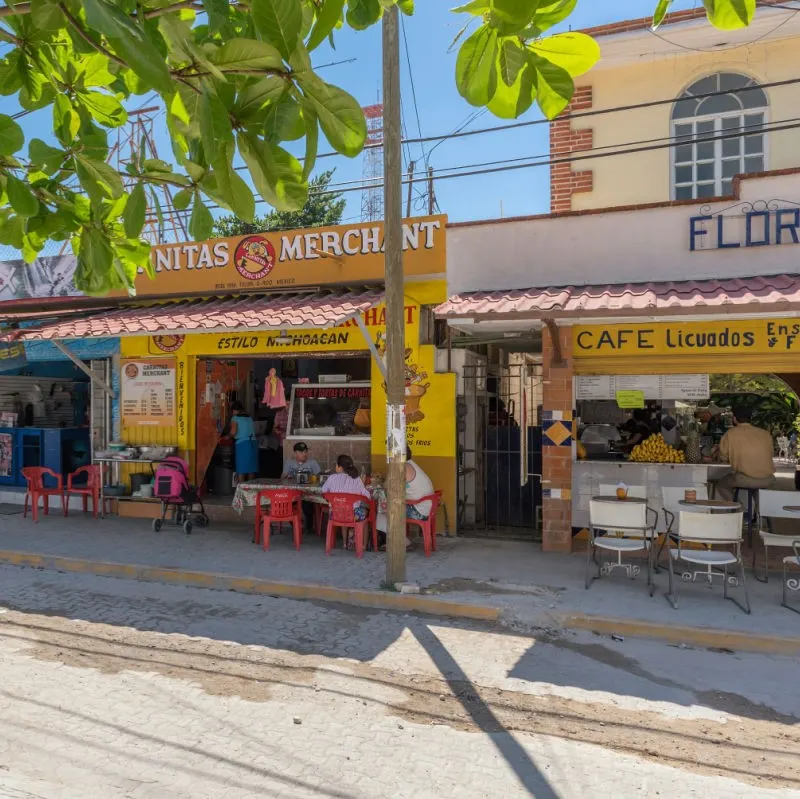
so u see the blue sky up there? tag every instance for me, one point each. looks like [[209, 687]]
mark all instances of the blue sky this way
[[441, 109]]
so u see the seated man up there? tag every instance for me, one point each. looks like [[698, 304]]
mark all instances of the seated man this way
[[302, 463], [418, 485], [749, 451]]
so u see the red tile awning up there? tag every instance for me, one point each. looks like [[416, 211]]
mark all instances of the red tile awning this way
[[251, 313], [740, 295]]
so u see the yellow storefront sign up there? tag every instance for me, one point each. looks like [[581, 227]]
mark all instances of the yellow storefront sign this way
[[738, 337], [345, 254]]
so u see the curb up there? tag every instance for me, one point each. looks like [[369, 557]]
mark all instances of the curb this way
[[382, 600], [704, 637]]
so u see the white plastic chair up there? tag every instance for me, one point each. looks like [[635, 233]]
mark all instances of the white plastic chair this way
[[671, 498], [791, 583], [720, 529], [627, 530], [771, 505]]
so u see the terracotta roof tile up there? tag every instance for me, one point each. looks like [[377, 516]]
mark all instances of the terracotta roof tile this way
[[683, 296], [275, 312]]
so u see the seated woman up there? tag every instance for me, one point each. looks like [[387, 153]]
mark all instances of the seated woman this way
[[345, 480]]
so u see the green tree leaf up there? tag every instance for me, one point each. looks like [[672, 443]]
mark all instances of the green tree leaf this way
[[328, 17], [231, 188], [551, 12], [201, 223], [217, 11], [511, 16], [406, 7], [730, 15], [247, 54], [135, 211], [312, 138], [98, 179], [279, 22], [277, 175], [95, 261], [45, 157], [340, 116], [105, 109], [11, 136], [251, 104], [661, 11], [554, 86], [283, 122], [182, 199], [576, 53], [476, 7], [94, 71], [215, 123], [512, 57], [510, 102], [476, 67], [21, 197], [361, 14], [130, 42]]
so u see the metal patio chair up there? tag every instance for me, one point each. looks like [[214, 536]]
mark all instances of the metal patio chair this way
[[627, 528], [722, 530], [773, 505], [791, 583], [671, 498]]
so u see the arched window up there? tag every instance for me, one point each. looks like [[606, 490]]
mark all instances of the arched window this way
[[706, 168]]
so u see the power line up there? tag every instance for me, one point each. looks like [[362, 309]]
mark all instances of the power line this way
[[783, 125], [413, 88]]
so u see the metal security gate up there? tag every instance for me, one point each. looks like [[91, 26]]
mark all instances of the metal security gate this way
[[500, 449]]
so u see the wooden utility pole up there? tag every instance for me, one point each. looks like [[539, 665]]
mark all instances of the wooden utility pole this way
[[395, 321], [411, 165], [431, 195]]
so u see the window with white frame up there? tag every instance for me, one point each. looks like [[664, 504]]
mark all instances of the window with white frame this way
[[717, 136]]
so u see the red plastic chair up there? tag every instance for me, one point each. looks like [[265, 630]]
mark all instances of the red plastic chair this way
[[342, 514], [284, 506], [428, 526], [91, 489], [34, 477]]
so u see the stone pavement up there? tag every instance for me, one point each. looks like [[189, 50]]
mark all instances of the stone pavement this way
[[530, 588], [113, 688]]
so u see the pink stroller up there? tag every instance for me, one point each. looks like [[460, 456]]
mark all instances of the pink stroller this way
[[173, 489]]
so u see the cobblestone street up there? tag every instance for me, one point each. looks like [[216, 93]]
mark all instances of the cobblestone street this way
[[113, 688]]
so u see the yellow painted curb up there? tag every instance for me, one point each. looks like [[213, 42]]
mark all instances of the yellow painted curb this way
[[383, 600], [705, 637]]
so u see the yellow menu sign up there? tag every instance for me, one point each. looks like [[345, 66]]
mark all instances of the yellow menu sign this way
[[630, 399], [757, 336]]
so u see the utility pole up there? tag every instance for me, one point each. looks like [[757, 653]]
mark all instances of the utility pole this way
[[411, 165], [431, 195], [395, 321]]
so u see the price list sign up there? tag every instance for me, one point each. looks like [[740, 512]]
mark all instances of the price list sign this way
[[148, 392]]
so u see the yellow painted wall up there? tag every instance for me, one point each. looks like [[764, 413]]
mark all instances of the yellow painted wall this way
[[645, 177]]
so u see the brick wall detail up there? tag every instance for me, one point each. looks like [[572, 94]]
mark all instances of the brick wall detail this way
[[564, 141]]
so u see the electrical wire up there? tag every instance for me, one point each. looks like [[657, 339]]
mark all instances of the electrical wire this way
[[413, 87], [783, 125]]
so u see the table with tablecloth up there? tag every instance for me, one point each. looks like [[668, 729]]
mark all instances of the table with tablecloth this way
[[246, 493]]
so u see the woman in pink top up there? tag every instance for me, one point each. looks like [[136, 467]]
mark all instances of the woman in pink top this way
[[346, 481]]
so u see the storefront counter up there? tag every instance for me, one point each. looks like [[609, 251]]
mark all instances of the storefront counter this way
[[588, 476]]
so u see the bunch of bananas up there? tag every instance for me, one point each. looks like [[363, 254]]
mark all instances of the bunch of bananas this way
[[656, 450]]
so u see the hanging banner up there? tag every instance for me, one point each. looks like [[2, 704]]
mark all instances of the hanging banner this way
[[148, 392], [12, 356]]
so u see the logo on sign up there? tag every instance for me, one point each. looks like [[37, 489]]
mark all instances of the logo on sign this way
[[132, 371], [254, 258], [169, 343]]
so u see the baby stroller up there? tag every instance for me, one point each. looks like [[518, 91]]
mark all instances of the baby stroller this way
[[173, 489]]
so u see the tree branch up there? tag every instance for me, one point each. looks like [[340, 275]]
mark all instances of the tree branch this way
[[159, 12], [5, 36], [19, 8], [89, 40]]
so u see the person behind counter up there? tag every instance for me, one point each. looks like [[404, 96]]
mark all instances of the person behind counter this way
[[637, 428], [749, 451], [242, 429]]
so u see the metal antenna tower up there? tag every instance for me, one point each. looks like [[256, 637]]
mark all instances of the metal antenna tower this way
[[372, 196], [136, 143]]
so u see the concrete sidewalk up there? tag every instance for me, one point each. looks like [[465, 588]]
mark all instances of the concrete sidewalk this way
[[483, 579]]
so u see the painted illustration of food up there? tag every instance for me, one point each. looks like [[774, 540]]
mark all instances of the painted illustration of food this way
[[415, 378]]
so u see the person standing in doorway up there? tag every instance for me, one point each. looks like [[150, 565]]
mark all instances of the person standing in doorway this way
[[246, 449], [749, 451]]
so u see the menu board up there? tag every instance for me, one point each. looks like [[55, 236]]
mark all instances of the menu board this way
[[655, 387], [148, 392]]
